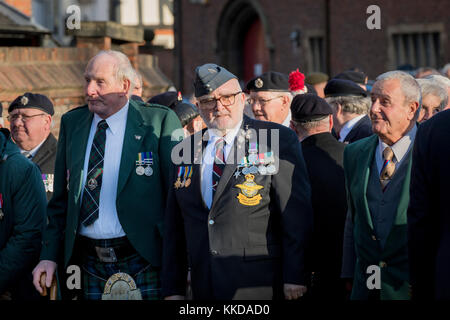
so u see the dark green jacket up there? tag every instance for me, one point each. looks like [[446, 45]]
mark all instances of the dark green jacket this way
[[140, 199], [23, 213], [393, 259]]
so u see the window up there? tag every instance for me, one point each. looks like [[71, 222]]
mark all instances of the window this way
[[418, 49], [316, 54]]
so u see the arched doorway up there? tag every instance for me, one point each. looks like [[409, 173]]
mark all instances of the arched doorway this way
[[244, 45]]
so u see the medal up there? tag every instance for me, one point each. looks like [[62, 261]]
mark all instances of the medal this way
[[252, 158], [246, 171], [262, 170], [271, 169], [188, 181], [50, 182], [148, 171], [177, 184], [140, 170], [253, 170]]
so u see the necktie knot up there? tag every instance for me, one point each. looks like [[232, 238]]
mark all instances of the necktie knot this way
[[219, 143], [27, 154], [103, 125], [388, 154]]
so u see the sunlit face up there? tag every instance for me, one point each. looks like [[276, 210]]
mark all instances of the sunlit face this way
[[104, 94], [269, 106], [392, 116], [430, 106], [215, 114], [29, 127]]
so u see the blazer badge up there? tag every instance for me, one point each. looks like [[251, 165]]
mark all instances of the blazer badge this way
[[249, 189]]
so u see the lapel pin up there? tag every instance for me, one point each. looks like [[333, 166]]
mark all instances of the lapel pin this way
[[137, 137]]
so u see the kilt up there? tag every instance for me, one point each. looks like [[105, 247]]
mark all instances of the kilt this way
[[95, 274]]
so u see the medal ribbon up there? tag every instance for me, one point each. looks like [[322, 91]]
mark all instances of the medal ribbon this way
[[1, 201], [190, 172]]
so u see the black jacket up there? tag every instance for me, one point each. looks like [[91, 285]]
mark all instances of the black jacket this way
[[45, 160], [362, 129]]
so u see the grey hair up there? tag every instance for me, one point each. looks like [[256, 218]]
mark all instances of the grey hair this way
[[305, 127], [428, 86], [137, 78], [408, 84], [445, 68], [441, 80], [122, 70], [351, 104]]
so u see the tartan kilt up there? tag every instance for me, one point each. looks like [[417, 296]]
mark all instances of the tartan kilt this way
[[96, 273]]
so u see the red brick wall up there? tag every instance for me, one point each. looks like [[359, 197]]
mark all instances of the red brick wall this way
[[24, 6]]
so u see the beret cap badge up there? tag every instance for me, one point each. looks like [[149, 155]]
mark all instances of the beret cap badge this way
[[24, 100], [259, 83]]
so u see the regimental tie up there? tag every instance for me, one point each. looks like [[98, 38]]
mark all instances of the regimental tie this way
[[27, 154], [91, 194], [388, 167], [219, 164]]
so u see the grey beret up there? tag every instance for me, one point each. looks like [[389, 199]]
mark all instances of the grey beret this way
[[209, 77]]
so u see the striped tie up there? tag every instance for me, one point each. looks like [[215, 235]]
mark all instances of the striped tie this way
[[388, 167], [91, 194], [219, 164], [27, 154]]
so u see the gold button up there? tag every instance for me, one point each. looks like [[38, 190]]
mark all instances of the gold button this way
[[383, 264], [374, 238]]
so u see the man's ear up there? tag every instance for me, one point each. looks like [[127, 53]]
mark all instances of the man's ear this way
[[413, 106], [126, 85]]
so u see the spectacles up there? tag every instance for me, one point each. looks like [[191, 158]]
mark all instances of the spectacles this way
[[210, 103], [23, 117], [261, 102]]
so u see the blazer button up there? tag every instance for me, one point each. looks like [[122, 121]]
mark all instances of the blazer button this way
[[214, 252], [383, 264], [211, 222], [374, 238]]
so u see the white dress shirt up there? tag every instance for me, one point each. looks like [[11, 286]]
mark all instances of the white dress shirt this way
[[400, 149], [33, 151], [107, 226], [287, 121], [208, 159], [348, 126]]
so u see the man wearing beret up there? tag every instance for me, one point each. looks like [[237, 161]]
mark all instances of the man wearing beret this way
[[239, 209], [350, 107], [111, 175], [30, 117], [22, 218], [312, 120], [357, 77], [377, 175], [270, 97], [318, 80]]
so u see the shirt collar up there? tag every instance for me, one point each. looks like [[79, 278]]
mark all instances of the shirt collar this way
[[116, 120], [402, 146], [347, 127], [35, 149], [287, 121]]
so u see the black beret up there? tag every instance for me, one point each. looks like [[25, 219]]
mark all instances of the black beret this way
[[167, 99], [355, 76], [186, 112], [341, 87], [309, 107], [269, 81], [209, 77], [32, 100]]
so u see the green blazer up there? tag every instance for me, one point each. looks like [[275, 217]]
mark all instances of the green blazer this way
[[140, 199], [393, 259]]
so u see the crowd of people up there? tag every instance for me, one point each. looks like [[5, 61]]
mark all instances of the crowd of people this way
[[285, 187]]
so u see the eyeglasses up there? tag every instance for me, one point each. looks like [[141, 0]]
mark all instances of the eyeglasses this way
[[23, 117], [261, 102], [210, 103]]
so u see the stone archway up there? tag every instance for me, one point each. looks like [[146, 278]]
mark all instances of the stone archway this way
[[243, 40]]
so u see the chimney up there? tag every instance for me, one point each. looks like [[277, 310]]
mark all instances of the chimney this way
[[24, 6]]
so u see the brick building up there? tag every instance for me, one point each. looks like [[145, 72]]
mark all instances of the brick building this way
[[253, 36]]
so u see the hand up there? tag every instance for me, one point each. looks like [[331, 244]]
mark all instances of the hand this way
[[176, 297], [293, 291], [44, 266]]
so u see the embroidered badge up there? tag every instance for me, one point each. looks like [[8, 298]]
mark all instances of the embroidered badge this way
[[249, 189], [259, 83], [24, 100]]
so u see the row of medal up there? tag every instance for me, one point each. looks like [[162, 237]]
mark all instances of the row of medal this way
[[184, 172], [48, 182], [144, 159], [254, 163]]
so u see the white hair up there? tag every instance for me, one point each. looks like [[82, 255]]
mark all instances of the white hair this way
[[408, 84], [351, 104], [445, 68], [441, 80], [137, 78], [430, 87], [122, 69]]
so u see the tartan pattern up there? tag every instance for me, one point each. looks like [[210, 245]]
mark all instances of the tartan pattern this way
[[90, 202], [219, 164], [388, 168], [96, 273]]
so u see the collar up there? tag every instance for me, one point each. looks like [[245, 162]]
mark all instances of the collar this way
[[287, 121], [402, 146], [229, 137], [347, 127], [116, 120], [35, 149]]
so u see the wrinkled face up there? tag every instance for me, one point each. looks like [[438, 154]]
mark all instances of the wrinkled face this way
[[269, 106], [29, 127], [104, 94], [430, 106], [225, 113], [392, 116]]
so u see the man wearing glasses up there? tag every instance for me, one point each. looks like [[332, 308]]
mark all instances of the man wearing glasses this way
[[270, 97], [30, 117], [234, 215]]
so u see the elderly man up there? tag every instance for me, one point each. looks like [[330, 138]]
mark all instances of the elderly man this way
[[136, 94], [357, 77], [444, 82], [428, 212], [377, 175], [270, 97], [318, 81], [240, 214], [22, 218], [312, 120], [350, 107], [434, 99], [111, 176], [30, 117]]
